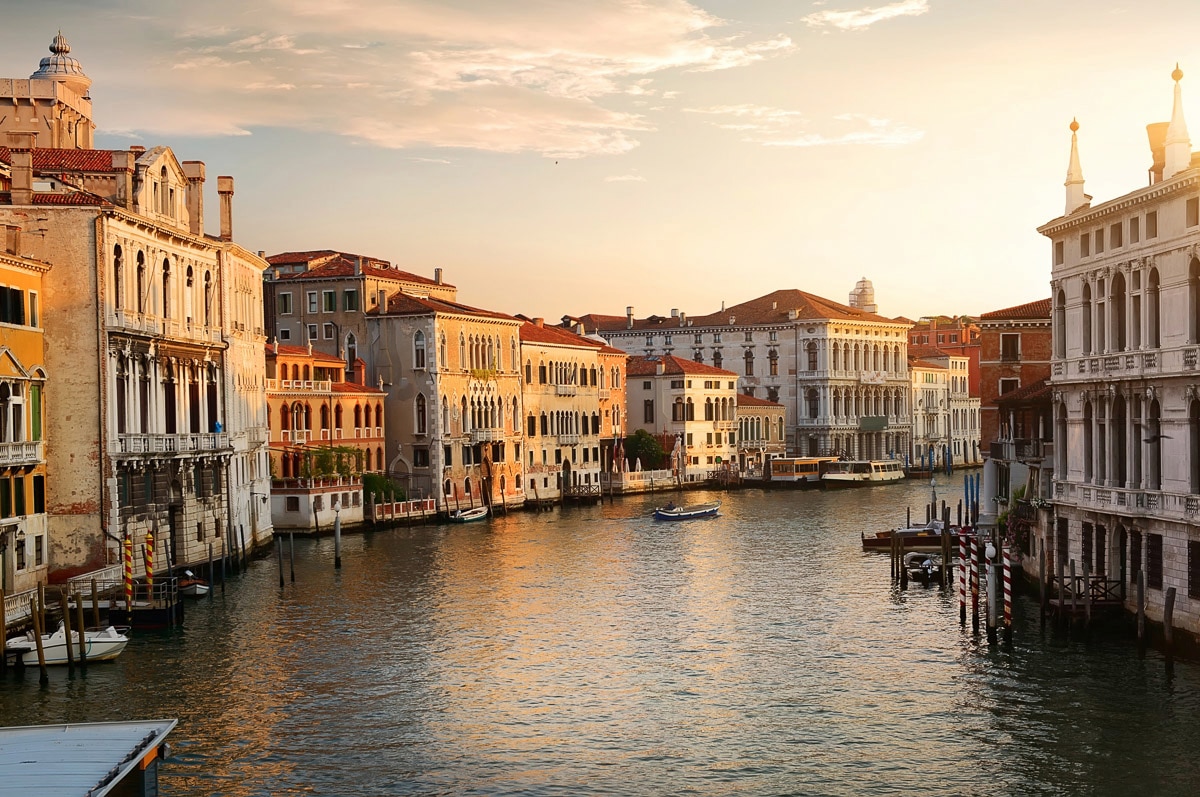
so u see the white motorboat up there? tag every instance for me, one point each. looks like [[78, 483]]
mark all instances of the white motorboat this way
[[467, 515], [100, 645], [192, 587], [857, 473], [922, 566]]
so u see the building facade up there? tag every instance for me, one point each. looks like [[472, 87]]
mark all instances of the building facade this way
[[762, 433], [1126, 377], [945, 417], [1014, 352], [841, 372], [690, 403], [954, 335]]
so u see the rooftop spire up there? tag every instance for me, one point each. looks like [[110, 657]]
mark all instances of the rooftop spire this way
[[1178, 145], [59, 66], [1075, 196]]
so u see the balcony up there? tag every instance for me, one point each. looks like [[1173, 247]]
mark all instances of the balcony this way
[[302, 385], [298, 436], [173, 443], [568, 439], [484, 435], [604, 393], [1033, 450], [566, 390], [16, 454], [725, 426]]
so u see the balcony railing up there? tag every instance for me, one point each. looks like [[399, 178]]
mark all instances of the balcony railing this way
[[27, 453], [568, 439], [486, 435], [566, 390], [725, 426], [172, 443], [306, 385], [297, 435]]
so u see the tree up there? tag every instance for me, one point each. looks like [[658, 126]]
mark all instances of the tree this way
[[642, 445]]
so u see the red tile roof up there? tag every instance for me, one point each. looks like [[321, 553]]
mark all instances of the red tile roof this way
[[928, 364], [648, 366], [68, 160], [555, 336], [345, 266], [754, 401], [301, 257], [71, 198], [774, 308], [405, 304], [925, 352], [354, 387], [1038, 391], [302, 351], [1033, 310]]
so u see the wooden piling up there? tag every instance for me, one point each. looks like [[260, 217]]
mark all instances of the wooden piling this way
[[35, 612], [82, 631], [1044, 597], [946, 577], [1087, 594], [210, 571], [41, 594], [292, 553], [66, 621], [1074, 595], [279, 556], [1062, 590], [1141, 612], [1168, 622]]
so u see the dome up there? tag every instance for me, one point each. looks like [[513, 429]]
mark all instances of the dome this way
[[61, 67]]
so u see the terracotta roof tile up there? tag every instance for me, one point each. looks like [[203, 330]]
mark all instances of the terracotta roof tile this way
[[301, 257], [555, 336], [648, 366], [346, 266], [1038, 391], [754, 401], [354, 387], [401, 303], [71, 198], [1039, 310], [302, 351], [68, 160], [927, 364]]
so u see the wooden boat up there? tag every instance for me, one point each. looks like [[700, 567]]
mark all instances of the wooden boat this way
[[917, 538], [468, 515], [923, 566], [672, 512], [99, 645], [860, 473], [192, 587]]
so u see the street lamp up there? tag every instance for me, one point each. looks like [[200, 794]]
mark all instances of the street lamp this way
[[337, 534]]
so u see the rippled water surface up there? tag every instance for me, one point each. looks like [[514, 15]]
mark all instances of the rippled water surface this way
[[594, 651]]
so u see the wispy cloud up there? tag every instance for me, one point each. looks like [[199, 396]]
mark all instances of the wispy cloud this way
[[777, 127], [624, 178], [865, 17], [555, 77]]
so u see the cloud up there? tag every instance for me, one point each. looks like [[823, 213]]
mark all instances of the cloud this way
[[555, 77], [776, 127], [624, 178], [865, 17]]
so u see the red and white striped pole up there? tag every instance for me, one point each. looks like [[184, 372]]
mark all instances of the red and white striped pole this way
[[1007, 594], [962, 577], [974, 583]]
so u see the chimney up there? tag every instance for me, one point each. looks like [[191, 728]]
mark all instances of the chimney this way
[[310, 345], [658, 368], [579, 330], [683, 319], [12, 239], [20, 146], [122, 162], [358, 266], [194, 172], [437, 276], [137, 149], [360, 371], [674, 312], [382, 301], [225, 190], [262, 253], [629, 317], [539, 322], [1157, 133]]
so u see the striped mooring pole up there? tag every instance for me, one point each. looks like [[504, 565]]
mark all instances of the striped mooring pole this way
[[149, 553], [974, 584], [962, 577], [1007, 554], [128, 544]]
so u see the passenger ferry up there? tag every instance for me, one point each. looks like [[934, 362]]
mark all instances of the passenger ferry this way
[[860, 473], [805, 471]]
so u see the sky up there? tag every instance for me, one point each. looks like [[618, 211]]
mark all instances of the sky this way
[[557, 157]]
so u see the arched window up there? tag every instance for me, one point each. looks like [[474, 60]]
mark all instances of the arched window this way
[[378, 414], [418, 349], [368, 462], [337, 416], [1152, 306], [166, 288], [295, 372], [813, 402], [379, 458], [1116, 304], [325, 417], [717, 358], [1059, 328], [141, 282], [462, 351], [1194, 445], [1088, 432], [351, 351], [421, 421], [285, 418], [1194, 301], [708, 410], [367, 416], [306, 373], [749, 362], [512, 345], [357, 416], [528, 372], [1086, 318], [118, 277], [187, 294], [208, 294], [442, 349]]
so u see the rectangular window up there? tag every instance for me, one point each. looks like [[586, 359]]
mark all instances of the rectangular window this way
[[350, 299], [34, 315], [1010, 346], [666, 340], [774, 336], [648, 411], [699, 338], [1114, 236], [708, 439], [646, 385], [1135, 555], [312, 302], [1087, 547], [200, 532], [329, 302], [1008, 385], [21, 555], [291, 503], [677, 384], [39, 494], [285, 334], [689, 438], [39, 551], [1152, 224], [1134, 230], [1058, 253], [35, 412], [447, 456], [19, 495], [1099, 241], [421, 457], [1193, 212], [328, 331], [716, 337], [1154, 561], [312, 331], [749, 336], [12, 306], [5, 498], [1085, 245], [545, 425]]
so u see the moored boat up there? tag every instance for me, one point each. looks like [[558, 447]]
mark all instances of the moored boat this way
[[923, 566], [100, 645], [860, 473], [468, 515], [672, 512], [191, 586], [915, 538]]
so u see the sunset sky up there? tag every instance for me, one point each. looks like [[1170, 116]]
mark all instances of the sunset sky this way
[[574, 157]]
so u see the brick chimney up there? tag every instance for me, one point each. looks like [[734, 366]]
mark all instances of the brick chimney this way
[[360, 372], [629, 317], [194, 171], [437, 276], [225, 190], [122, 161], [20, 145], [539, 322]]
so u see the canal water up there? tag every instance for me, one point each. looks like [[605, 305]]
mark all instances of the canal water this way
[[595, 651]]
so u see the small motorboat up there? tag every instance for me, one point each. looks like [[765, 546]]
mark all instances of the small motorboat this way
[[192, 587], [468, 515], [923, 566], [672, 512], [100, 645]]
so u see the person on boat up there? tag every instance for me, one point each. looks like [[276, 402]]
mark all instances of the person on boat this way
[[670, 505]]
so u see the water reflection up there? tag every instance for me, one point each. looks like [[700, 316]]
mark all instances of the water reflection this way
[[596, 651]]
